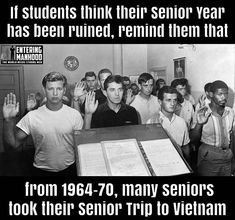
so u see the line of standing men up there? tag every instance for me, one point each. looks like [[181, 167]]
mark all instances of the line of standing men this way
[[54, 153]]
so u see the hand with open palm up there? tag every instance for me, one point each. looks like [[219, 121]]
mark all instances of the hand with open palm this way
[[129, 97], [79, 90], [202, 115], [10, 106], [90, 104], [201, 100]]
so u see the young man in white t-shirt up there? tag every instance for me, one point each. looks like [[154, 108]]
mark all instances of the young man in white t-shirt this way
[[146, 104], [51, 127]]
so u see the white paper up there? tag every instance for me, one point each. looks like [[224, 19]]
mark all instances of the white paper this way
[[91, 160], [164, 158], [124, 158]]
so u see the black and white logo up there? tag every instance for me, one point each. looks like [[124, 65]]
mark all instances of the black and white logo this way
[[21, 54]]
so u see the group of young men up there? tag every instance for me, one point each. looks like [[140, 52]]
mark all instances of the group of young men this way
[[209, 124]]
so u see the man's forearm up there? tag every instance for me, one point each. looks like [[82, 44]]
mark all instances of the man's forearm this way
[[186, 149], [9, 132], [87, 121], [195, 133], [76, 105]]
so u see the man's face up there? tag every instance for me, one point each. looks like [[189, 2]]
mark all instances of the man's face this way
[[161, 84], [146, 88], [219, 97], [135, 89], [114, 93], [54, 91], [103, 77], [181, 89], [169, 102], [90, 81], [127, 84]]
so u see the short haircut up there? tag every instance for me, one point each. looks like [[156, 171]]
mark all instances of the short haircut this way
[[134, 84], [144, 77], [52, 77], [218, 84], [207, 87], [83, 79], [176, 82], [166, 89], [184, 81], [158, 82], [113, 78], [105, 70], [90, 74], [126, 78]]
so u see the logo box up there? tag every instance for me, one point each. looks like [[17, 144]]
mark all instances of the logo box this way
[[21, 54]]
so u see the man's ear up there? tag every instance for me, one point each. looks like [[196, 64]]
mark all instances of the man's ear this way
[[105, 93], [44, 90], [64, 90], [160, 101], [211, 94]]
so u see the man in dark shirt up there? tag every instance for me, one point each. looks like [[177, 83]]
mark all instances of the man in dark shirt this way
[[113, 112]]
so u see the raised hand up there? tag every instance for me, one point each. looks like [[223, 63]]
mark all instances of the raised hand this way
[[129, 97], [31, 102], [90, 103], [202, 115], [201, 100], [79, 90], [10, 106]]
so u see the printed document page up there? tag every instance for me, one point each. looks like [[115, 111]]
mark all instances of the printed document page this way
[[91, 160], [164, 158], [125, 158]]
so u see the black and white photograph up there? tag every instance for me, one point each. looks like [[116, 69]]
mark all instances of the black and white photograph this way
[[146, 95], [117, 109]]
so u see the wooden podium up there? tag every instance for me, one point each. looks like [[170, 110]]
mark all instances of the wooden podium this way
[[140, 133]]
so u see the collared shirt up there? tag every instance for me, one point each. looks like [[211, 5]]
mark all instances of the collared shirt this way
[[187, 112], [217, 130], [176, 128], [106, 117], [147, 108]]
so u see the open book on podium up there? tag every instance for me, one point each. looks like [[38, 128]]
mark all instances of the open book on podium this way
[[129, 157]]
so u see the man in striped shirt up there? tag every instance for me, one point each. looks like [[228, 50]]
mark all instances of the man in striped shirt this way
[[213, 126]]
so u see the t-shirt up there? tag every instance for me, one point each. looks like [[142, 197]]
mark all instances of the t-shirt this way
[[52, 133], [147, 108], [106, 117]]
